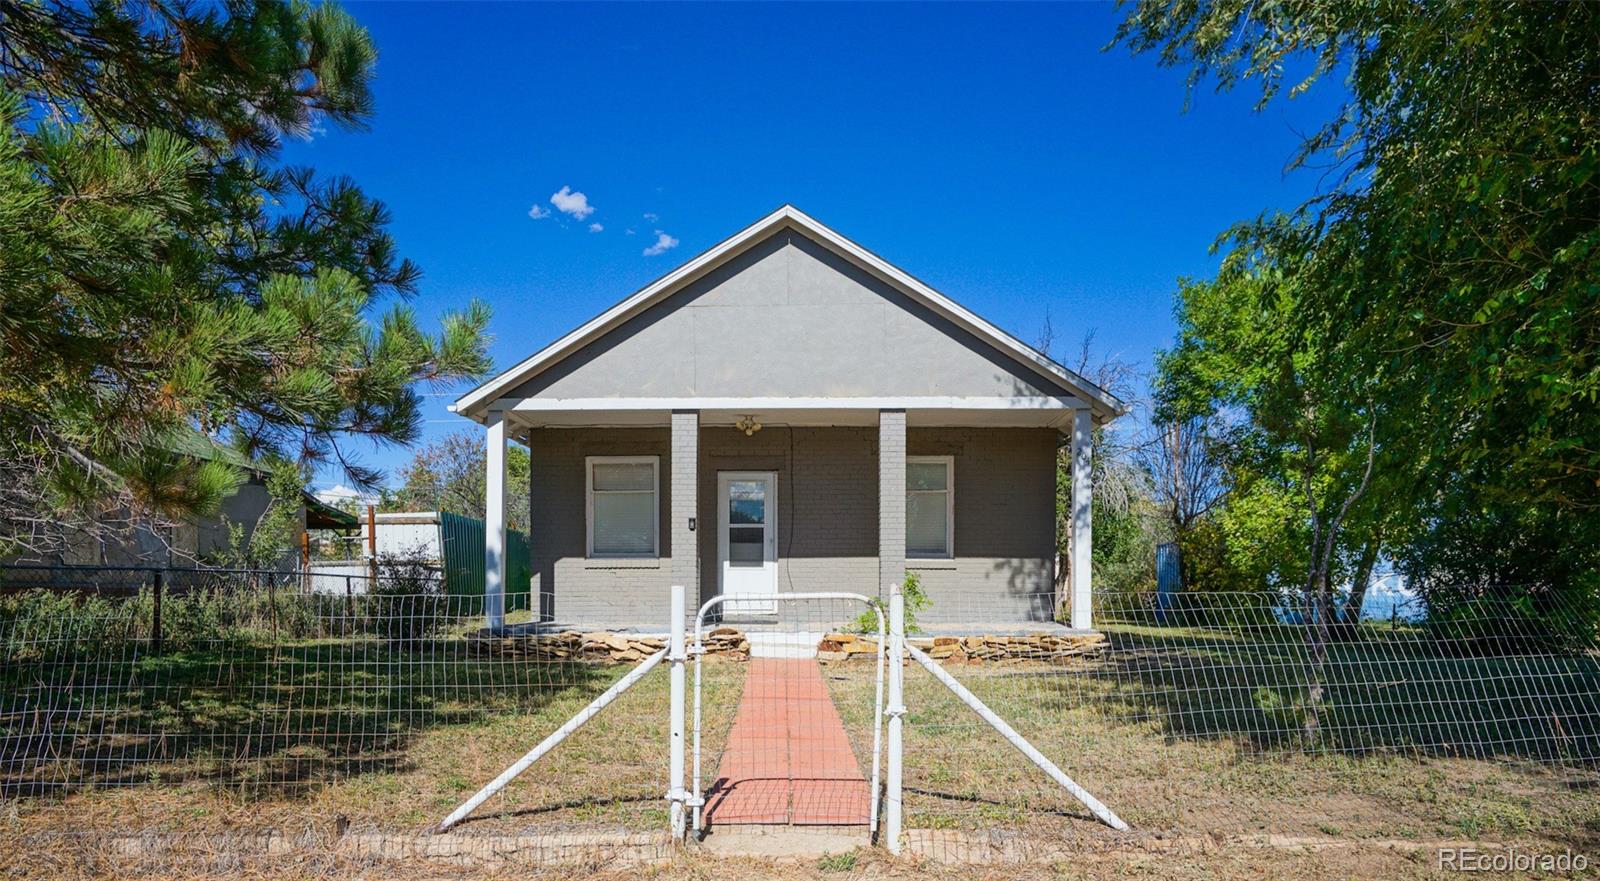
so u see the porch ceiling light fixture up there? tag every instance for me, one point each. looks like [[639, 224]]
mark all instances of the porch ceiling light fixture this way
[[748, 425]]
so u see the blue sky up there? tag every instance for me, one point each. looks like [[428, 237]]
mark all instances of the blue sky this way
[[995, 152]]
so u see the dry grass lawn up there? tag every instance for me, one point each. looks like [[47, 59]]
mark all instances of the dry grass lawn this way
[[1203, 803]]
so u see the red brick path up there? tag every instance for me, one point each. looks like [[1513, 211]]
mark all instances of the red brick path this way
[[788, 759]]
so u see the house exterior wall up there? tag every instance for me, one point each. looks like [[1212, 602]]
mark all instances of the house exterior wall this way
[[1005, 511], [844, 333], [210, 536], [828, 524], [570, 587], [827, 503]]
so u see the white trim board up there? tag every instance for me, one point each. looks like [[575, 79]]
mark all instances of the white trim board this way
[[554, 405], [474, 403]]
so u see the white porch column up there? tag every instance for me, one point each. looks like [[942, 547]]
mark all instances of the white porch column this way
[[494, 524], [891, 500], [1082, 521], [684, 500]]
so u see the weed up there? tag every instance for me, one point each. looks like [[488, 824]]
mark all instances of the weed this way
[[837, 862]]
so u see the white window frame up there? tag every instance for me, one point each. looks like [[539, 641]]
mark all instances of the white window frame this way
[[949, 463], [655, 509]]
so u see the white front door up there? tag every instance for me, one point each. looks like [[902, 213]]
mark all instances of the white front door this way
[[747, 540]]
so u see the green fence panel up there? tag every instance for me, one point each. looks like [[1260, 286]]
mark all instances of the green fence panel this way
[[519, 571], [461, 540]]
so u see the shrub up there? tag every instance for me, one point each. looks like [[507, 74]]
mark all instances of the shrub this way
[[916, 601], [38, 625], [1507, 577], [407, 603]]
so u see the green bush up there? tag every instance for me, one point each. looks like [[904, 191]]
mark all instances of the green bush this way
[[916, 601], [212, 611], [40, 625], [408, 602], [1507, 577]]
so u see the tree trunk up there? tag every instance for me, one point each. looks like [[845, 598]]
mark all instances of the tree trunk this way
[[1318, 598], [1348, 625], [1317, 655]]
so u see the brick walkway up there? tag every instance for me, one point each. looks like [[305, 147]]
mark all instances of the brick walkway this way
[[788, 759]]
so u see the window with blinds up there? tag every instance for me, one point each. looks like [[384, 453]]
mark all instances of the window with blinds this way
[[622, 507], [930, 507]]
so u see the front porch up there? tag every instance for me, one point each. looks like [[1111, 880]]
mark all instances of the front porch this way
[[761, 498]]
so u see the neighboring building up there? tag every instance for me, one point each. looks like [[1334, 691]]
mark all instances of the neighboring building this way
[[449, 542], [198, 540], [788, 412]]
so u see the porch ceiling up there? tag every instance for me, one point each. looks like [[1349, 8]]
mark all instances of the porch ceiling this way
[[975, 413]]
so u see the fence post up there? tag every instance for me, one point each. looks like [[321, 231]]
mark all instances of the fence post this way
[[676, 656], [895, 710], [155, 614]]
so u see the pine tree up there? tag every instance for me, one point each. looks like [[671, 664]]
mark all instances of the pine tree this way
[[166, 281]]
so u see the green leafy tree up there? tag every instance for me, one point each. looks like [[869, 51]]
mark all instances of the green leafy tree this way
[[1436, 310], [451, 474], [1458, 240], [163, 276]]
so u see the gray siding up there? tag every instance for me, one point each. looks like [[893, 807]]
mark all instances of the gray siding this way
[[843, 333], [571, 588], [827, 503], [1005, 510], [828, 527]]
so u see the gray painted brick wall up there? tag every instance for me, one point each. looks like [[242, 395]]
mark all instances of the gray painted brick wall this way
[[891, 500], [827, 503], [829, 531], [681, 496], [573, 589], [1005, 510]]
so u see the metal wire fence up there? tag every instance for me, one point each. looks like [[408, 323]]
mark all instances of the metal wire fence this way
[[381, 704], [1195, 716], [1210, 715]]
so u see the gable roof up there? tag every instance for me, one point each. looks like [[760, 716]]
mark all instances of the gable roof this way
[[474, 403]]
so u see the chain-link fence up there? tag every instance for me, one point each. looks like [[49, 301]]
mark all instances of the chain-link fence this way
[[1194, 717]]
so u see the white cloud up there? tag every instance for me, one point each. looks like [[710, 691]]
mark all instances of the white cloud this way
[[538, 212], [651, 216], [569, 202], [339, 494], [629, 232], [596, 227], [664, 243]]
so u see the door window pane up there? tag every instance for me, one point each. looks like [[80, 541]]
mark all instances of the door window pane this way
[[747, 501], [747, 545]]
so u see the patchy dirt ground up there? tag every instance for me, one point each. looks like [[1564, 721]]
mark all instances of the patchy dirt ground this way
[[1207, 793], [63, 859]]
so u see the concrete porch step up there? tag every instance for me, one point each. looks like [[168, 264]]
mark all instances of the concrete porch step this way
[[800, 644]]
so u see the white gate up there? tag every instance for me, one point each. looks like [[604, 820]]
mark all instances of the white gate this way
[[891, 652], [696, 799]]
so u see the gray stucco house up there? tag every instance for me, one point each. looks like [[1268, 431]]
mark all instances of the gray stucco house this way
[[789, 412]]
